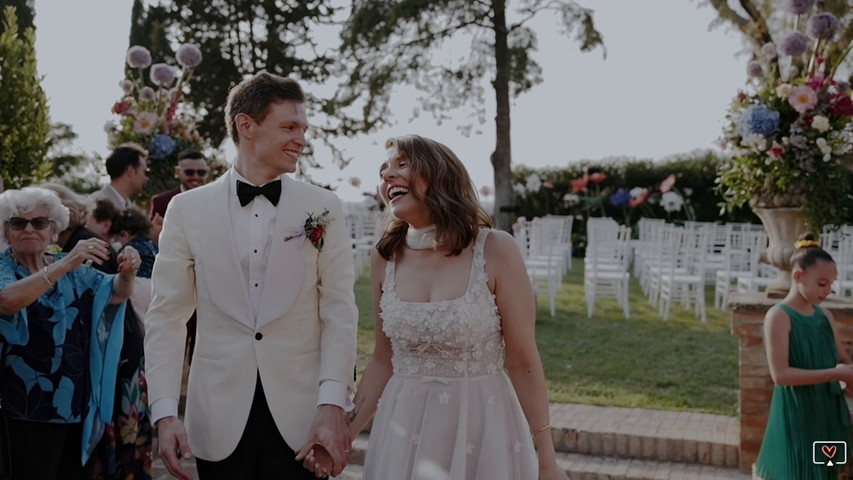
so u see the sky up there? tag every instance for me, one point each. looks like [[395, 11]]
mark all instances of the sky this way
[[662, 89]]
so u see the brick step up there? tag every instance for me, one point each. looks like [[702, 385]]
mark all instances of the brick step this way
[[654, 435]]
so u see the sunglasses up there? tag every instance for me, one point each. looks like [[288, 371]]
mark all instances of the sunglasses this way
[[20, 223], [194, 173]]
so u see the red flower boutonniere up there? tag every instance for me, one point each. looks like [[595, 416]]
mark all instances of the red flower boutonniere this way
[[314, 230]]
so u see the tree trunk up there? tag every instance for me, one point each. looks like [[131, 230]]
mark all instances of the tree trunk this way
[[502, 156]]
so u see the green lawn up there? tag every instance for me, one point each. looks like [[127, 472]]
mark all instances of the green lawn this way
[[680, 364]]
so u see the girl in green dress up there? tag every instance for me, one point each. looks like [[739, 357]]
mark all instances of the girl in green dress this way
[[806, 362]]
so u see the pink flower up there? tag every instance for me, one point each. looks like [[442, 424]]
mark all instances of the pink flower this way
[[802, 98], [485, 190], [122, 107], [667, 183], [776, 151], [355, 181], [639, 199], [597, 177], [580, 184], [548, 184], [145, 123]]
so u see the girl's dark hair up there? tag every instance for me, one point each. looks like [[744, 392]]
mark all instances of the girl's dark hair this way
[[131, 221], [450, 197], [808, 252], [104, 210]]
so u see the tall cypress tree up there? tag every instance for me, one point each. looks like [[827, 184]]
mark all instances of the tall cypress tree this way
[[23, 107]]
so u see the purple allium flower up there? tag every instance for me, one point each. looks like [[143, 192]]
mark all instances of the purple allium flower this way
[[138, 57], [842, 86], [188, 55], [162, 75], [620, 198], [768, 51], [126, 86], [758, 119], [799, 7], [147, 94], [822, 26], [162, 146], [794, 44], [754, 69]]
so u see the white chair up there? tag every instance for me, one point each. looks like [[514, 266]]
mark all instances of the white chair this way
[[683, 279], [606, 267], [538, 241], [761, 275], [844, 262], [735, 255]]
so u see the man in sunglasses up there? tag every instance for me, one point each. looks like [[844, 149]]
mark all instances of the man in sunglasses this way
[[127, 167], [191, 171]]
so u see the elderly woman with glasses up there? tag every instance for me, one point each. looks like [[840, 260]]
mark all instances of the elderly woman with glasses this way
[[61, 331]]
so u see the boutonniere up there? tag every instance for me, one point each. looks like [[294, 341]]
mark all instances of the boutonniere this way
[[314, 230]]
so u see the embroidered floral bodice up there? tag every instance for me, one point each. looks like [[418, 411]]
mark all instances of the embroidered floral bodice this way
[[455, 338]]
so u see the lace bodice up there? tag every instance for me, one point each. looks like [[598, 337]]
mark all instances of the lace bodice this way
[[455, 338]]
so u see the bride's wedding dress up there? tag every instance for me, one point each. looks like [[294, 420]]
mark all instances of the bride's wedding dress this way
[[449, 411]]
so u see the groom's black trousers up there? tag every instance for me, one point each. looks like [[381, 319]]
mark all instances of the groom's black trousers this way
[[261, 454]]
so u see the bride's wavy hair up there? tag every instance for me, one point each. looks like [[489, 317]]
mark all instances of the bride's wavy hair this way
[[450, 196]]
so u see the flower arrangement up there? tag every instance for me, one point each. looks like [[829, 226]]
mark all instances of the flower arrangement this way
[[314, 230], [156, 115], [789, 133]]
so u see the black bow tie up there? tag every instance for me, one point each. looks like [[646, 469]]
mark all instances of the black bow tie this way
[[246, 193]]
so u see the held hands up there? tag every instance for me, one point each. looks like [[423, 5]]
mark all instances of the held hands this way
[[172, 438], [128, 261], [327, 448]]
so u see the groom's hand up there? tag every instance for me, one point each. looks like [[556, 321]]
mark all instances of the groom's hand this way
[[330, 431], [172, 441]]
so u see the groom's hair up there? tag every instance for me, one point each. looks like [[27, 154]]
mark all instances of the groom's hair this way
[[254, 96]]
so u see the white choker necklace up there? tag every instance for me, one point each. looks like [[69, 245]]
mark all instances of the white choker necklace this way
[[421, 238]]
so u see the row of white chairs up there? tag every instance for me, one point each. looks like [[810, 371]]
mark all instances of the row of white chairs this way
[[546, 246]]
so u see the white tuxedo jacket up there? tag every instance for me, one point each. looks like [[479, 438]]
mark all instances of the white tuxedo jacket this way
[[306, 327]]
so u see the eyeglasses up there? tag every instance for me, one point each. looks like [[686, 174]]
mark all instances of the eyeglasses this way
[[194, 173], [20, 223]]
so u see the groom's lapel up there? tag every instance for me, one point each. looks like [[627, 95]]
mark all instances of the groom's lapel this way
[[286, 261], [218, 264]]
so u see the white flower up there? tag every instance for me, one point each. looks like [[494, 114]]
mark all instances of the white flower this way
[[571, 198], [782, 91], [636, 192], [519, 189], [820, 123], [444, 398], [755, 141], [671, 201], [470, 448], [110, 126], [534, 183]]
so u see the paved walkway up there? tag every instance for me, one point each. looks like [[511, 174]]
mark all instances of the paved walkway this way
[[713, 438]]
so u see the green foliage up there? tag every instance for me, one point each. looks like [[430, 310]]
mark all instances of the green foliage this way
[[26, 13], [239, 38], [23, 108], [386, 43], [76, 170], [695, 177]]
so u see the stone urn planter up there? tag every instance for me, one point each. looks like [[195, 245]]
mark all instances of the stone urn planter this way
[[784, 227]]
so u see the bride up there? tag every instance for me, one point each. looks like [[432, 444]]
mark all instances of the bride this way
[[450, 295]]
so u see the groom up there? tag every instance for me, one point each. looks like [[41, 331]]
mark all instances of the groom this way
[[272, 280]]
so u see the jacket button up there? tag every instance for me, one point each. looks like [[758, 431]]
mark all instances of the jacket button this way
[[259, 336]]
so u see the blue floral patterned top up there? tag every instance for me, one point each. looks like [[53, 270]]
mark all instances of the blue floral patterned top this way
[[60, 354], [147, 253]]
